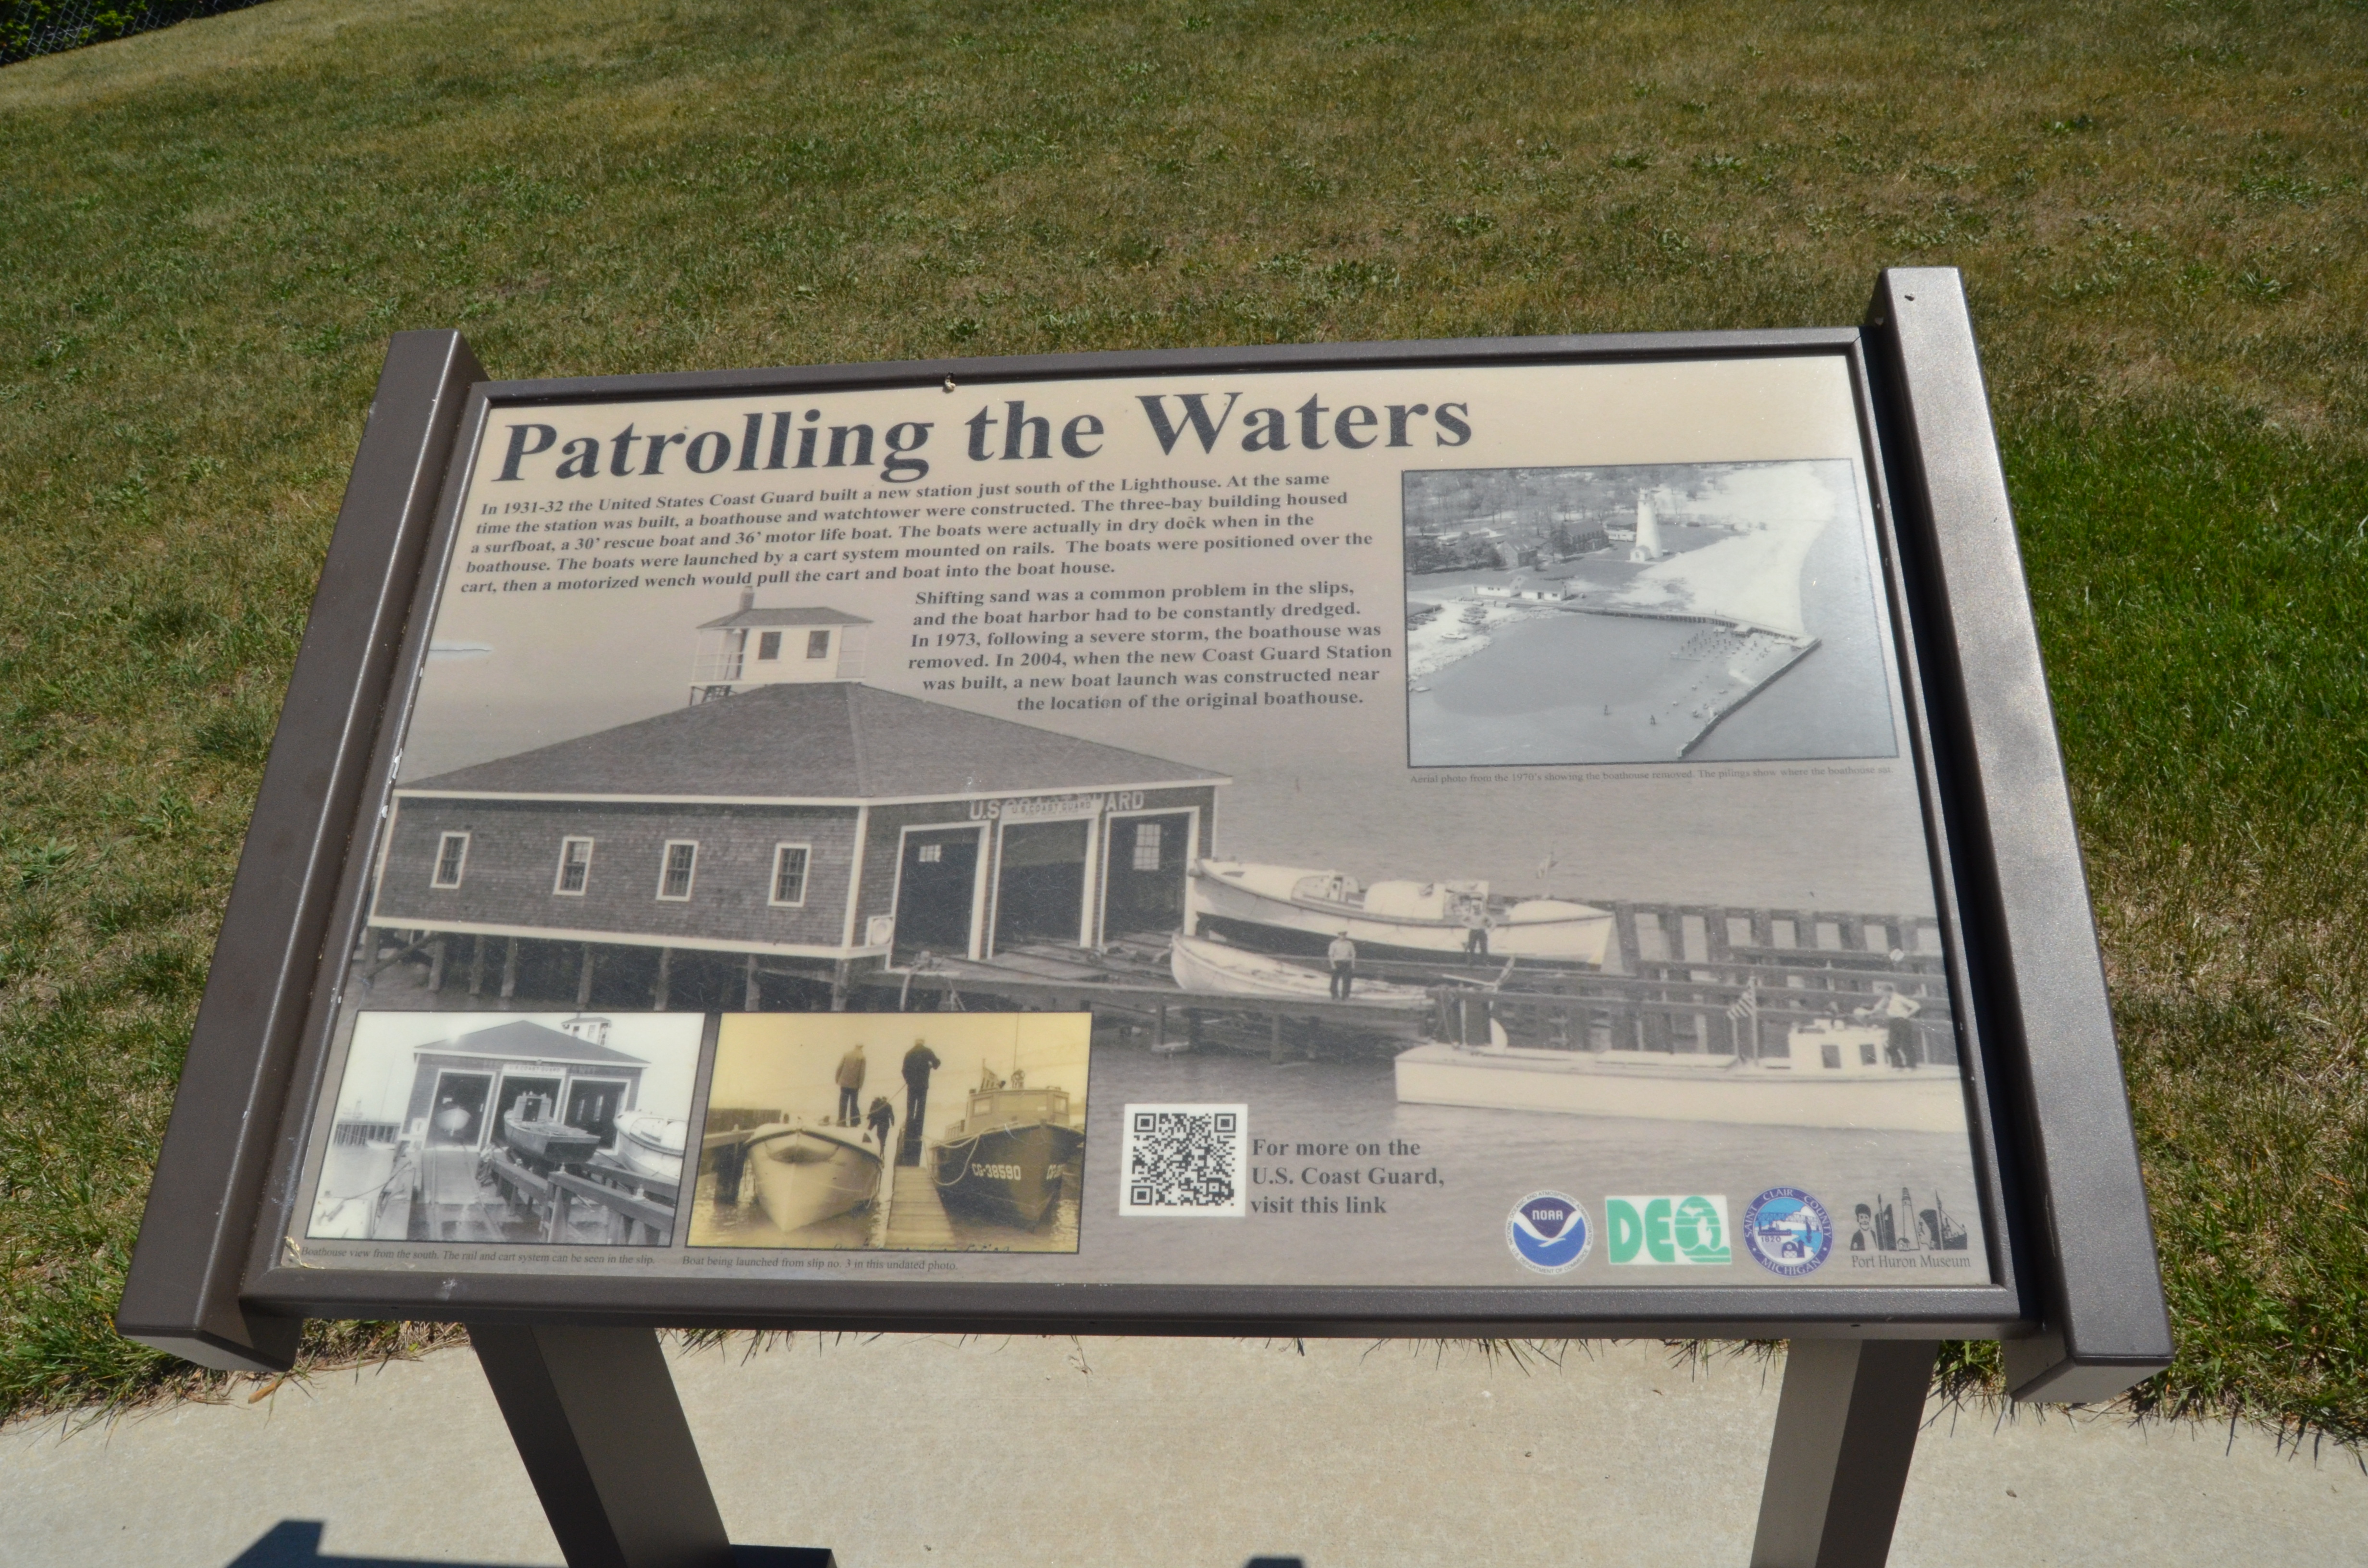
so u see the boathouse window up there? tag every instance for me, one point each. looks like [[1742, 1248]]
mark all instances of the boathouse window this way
[[769, 645], [1146, 847], [931, 853], [452, 855], [681, 861], [790, 873], [575, 865], [817, 644]]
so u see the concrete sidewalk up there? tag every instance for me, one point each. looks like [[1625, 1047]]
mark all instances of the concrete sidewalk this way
[[923, 1452]]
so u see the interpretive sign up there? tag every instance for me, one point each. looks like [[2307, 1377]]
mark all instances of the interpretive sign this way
[[1542, 835], [1499, 776]]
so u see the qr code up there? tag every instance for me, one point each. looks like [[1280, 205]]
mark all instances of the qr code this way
[[1184, 1159]]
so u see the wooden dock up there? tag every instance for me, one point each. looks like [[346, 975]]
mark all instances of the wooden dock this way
[[1677, 978], [913, 1218]]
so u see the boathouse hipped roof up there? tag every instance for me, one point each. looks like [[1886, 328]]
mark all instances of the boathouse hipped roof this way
[[754, 617], [524, 1037], [825, 740]]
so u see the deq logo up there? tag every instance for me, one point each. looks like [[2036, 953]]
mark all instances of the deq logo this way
[[1548, 1232], [1684, 1227]]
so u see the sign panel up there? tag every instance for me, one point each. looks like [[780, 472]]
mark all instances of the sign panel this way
[[1443, 825]]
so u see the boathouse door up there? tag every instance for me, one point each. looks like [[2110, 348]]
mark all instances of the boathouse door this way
[[457, 1118], [937, 891], [593, 1104], [1143, 873], [1039, 887]]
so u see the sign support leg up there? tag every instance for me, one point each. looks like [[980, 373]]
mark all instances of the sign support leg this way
[[597, 1421], [1845, 1431]]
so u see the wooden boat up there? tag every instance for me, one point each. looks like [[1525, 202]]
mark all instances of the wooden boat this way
[[1202, 965], [651, 1145], [538, 1136], [1012, 1152], [805, 1174], [1292, 909], [1802, 1087]]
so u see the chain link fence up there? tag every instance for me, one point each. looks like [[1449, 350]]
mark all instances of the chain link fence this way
[[29, 27]]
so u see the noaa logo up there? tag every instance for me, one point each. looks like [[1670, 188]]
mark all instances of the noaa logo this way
[[1548, 1232], [1788, 1232]]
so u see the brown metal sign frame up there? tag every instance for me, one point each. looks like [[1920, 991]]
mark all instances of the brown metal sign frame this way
[[2078, 1298]]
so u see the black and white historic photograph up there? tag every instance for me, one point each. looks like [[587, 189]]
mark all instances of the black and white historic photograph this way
[[776, 831], [937, 1132], [509, 1127], [1639, 614]]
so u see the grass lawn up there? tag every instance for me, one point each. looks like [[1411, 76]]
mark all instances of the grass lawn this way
[[206, 232]]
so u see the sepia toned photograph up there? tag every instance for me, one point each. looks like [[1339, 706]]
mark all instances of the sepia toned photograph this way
[[1642, 613], [907, 1133], [509, 1127]]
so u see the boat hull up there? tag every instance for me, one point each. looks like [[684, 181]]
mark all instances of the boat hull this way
[[551, 1142], [649, 1146], [805, 1177], [1012, 1174], [1216, 905], [1680, 1088], [1213, 968]]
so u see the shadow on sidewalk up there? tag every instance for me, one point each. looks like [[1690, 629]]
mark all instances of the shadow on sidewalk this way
[[296, 1543]]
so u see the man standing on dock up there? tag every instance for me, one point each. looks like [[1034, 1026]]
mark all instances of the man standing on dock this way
[[1476, 934], [919, 1063], [850, 1085], [1343, 954]]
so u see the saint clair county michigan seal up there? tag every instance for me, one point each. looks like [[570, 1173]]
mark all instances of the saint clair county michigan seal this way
[[1788, 1232], [1548, 1232]]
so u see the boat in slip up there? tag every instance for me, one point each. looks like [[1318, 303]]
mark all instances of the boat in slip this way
[[806, 1174], [1012, 1152], [533, 1131], [650, 1145], [1199, 964], [1832, 1073], [1292, 909]]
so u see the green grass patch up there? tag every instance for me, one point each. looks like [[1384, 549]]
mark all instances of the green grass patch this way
[[2158, 208]]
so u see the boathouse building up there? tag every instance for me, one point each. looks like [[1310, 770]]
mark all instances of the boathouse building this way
[[462, 1089], [805, 824]]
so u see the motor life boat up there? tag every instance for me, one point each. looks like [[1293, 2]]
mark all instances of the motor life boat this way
[[807, 1173], [1292, 909], [1832, 1073], [533, 1132], [650, 1145], [1218, 968], [1012, 1152]]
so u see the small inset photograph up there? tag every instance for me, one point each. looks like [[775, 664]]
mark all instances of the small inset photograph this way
[[907, 1131], [1642, 613], [565, 1128]]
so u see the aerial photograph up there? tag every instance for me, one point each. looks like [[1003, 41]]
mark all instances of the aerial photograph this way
[[1641, 613]]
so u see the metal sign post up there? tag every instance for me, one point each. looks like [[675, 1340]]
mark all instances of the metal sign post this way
[[1057, 746]]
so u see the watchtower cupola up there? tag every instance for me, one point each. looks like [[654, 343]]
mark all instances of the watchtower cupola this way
[[754, 647]]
